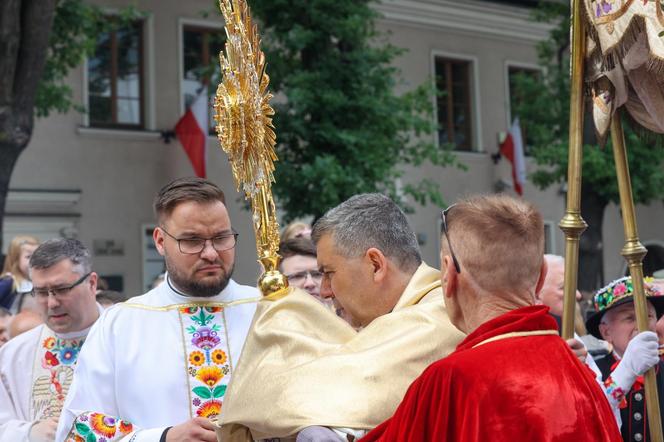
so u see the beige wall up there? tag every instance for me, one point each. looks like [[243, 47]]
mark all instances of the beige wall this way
[[118, 172]]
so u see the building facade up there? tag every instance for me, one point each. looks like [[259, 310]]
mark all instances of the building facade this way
[[94, 175]]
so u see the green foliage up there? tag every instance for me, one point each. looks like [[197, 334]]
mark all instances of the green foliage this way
[[546, 116], [342, 130], [76, 26]]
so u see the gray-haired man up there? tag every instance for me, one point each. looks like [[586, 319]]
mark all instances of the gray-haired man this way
[[37, 367], [332, 375]]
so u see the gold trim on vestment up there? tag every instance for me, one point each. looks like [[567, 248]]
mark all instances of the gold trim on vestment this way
[[517, 335], [169, 307]]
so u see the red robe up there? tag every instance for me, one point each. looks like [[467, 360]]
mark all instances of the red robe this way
[[509, 390]]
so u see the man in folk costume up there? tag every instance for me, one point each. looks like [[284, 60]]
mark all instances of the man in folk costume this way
[[512, 378], [157, 367], [633, 353], [315, 368], [37, 367]]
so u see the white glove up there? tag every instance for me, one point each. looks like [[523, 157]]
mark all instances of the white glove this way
[[641, 355]]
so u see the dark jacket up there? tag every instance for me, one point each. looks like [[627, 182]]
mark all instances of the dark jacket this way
[[634, 421]]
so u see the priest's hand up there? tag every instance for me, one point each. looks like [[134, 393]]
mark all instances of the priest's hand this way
[[43, 431], [578, 349], [197, 429], [641, 355]]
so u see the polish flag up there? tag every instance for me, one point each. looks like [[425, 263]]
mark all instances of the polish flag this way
[[512, 149], [192, 131]]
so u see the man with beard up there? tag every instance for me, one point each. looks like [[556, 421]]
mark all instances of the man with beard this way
[[156, 367]]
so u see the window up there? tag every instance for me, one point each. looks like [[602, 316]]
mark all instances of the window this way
[[453, 103], [514, 76], [200, 50], [115, 79]]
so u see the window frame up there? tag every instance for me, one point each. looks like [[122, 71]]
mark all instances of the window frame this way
[[509, 64], [185, 24], [142, 24], [476, 141]]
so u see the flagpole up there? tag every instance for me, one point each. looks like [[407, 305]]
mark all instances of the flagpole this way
[[572, 223]]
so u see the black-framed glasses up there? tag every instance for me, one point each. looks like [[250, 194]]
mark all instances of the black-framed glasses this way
[[193, 246], [58, 292], [443, 228], [300, 277]]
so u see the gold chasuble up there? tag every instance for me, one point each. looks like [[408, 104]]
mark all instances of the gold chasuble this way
[[302, 365]]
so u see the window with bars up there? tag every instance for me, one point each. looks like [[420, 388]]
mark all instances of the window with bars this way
[[453, 103], [201, 47], [115, 79]]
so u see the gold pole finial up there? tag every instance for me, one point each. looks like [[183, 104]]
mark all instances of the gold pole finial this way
[[243, 117]]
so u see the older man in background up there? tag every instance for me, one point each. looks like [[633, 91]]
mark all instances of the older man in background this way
[[32, 395]]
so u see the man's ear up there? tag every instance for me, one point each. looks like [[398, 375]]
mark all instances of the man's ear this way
[[378, 263], [542, 277], [92, 280], [158, 237], [450, 277], [605, 331]]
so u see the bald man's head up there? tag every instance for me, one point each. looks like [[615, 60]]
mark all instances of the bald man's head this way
[[24, 321]]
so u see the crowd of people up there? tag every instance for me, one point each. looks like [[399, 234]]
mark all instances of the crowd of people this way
[[371, 343]]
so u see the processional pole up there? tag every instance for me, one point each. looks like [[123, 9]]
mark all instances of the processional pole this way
[[634, 252], [572, 224]]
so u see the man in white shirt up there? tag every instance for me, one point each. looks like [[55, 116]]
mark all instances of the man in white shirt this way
[[157, 367], [36, 368]]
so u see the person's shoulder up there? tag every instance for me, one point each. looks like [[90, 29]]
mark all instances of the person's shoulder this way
[[239, 292], [25, 342]]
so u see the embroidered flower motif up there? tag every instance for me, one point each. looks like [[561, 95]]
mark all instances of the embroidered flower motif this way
[[83, 417], [196, 402], [125, 427], [188, 310], [196, 358], [209, 409], [209, 375], [619, 289], [219, 357], [205, 338], [68, 355], [51, 360], [102, 424], [49, 343]]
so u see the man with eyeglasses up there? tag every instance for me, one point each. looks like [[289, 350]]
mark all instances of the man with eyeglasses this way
[[512, 378], [156, 367], [298, 264], [37, 366]]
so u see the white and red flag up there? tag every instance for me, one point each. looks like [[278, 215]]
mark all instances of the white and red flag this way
[[512, 149], [192, 131]]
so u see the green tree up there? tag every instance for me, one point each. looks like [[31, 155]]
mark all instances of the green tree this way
[[40, 41], [546, 116], [341, 129]]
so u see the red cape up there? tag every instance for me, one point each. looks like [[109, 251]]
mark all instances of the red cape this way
[[514, 389]]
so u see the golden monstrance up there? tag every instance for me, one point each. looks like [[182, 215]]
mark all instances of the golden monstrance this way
[[243, 117]]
